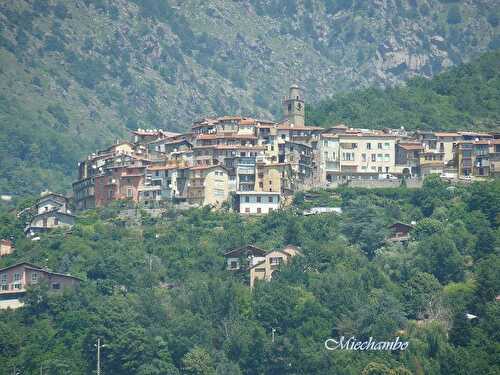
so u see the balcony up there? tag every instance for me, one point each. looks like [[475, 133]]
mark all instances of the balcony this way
[[332, 166], [482, 163], [494, 156], [15, 287], [246, 160], [425, 163]]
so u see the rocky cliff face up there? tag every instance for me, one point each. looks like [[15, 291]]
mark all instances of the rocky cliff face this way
[[90, 69]]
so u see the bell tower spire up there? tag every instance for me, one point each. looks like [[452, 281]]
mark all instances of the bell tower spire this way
[[293, 106]]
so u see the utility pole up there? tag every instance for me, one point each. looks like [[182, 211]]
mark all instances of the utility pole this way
[[99, 346], [98, 356]]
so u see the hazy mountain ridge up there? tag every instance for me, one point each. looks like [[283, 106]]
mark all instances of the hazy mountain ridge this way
[[86, 71], [464, 97]]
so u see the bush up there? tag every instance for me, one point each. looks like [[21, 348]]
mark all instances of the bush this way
[[59, 114]]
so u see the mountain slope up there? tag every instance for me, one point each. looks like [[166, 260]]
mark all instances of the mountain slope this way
[[467, 96], [76, 75]]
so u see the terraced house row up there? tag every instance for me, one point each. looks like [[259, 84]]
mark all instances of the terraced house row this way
[[260, 163]]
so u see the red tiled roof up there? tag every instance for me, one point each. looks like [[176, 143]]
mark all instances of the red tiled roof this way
[[411, 146], [203, 167], [162, 167], [295, 127], [447, 134], [226, 136], [248, 121]]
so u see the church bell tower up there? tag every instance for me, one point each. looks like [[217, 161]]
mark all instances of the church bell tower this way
[[293, 107]]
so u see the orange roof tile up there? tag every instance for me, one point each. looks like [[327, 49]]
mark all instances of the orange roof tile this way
[[411, 146], [248, 121], [447, 134]]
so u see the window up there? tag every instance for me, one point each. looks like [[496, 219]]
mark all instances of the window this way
[[364, 167], [387, 157], [386, 169], [34, 277], [3, 278], [261, 185], [348, 156], [44, 222], [368, 146], [247, 210], [354, 145], [363, 157], [56, 286], [129, 193], [387, 145], [247, 199], [17, 276], [56, 221], [380, 146], [380, 169], [234, 265], [259, 199], [275, 261], [379, 157], [259, 210], [270, 199], [270, 209], [374, 157]]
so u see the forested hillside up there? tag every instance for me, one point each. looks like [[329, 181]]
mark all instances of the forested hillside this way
[[208, 322], [75, 75], [465, 97]]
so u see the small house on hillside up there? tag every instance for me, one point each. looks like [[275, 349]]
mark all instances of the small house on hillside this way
[[400, 233], [15, 279], [243, 257], [260, 263], [51, 211]]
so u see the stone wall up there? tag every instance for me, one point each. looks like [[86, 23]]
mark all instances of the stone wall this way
[[372, 184]]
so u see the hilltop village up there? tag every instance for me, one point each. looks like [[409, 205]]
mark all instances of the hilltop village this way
[[260, 163]]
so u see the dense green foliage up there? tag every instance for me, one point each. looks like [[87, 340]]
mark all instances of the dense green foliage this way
[[349, 282], [465, 97]]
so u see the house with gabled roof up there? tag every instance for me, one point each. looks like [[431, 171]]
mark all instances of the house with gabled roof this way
[[261, 264], [243, 257], [400, 233], [50, 211], [271, 262], [15, 280]]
